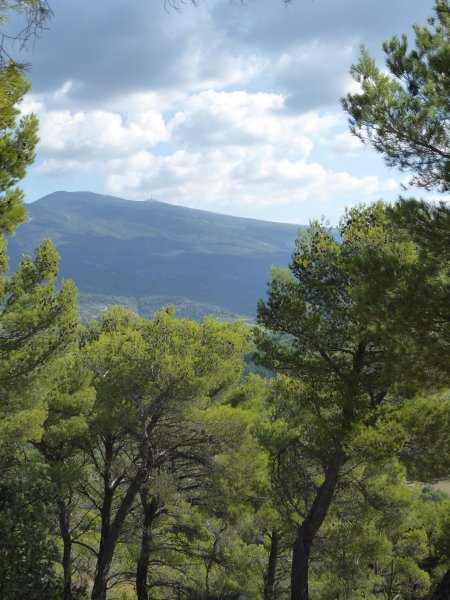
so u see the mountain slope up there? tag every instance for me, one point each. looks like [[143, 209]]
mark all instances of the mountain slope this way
[[151, 252]]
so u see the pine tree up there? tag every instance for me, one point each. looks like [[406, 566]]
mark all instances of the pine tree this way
[[331, 329], [404, 114], [36, 319]]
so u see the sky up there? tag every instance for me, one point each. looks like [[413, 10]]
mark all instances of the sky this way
[[225, 105]]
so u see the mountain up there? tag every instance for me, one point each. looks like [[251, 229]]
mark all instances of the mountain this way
[[148, 254]]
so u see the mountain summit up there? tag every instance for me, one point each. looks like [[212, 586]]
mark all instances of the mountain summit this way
[[148, 254]]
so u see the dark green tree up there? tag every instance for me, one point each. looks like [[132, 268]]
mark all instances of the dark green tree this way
[[329, 326], [36, 323], [27, 555], [144, 371], [425, 316], [404, 114], [425, 325], [36, 319], [69, 399], [18, 139]]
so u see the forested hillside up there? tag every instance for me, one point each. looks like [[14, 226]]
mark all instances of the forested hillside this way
[[140, 460], [148, 254]]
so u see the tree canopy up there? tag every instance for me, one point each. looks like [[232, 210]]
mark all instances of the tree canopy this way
[[138, 460], [37, 320], [404, 113], [34, 16], [335, 327]]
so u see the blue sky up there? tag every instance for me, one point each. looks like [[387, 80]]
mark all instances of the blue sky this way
[[224, 106]]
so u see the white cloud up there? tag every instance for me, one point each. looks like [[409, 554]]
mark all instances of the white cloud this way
[[54, 168], [226, 105], [97, 134], [215, 150], [62, 92], [239, 119], [254, 177], [209, 119], [346, 144]]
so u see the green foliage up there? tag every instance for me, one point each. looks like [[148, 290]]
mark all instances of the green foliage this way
[[427, 423], [330, 316], [428, 224], [17, 143], [403, 114], [69, 401], [37, 322], [27, 553], [165, 361], [337, 331], [424, 320], [379, 539]]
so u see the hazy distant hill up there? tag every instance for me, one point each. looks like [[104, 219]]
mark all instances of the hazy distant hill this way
[[147, 254]]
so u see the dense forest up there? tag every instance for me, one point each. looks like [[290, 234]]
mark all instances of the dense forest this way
[[148, 458]]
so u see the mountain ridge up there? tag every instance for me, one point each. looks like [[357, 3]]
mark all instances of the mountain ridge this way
[[112, 247]]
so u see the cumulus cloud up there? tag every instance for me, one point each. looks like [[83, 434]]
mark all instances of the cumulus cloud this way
[[107, 49], [209, 119], [227, 106], [98, 133], [252, 178], [346, 144], [221, 150], [238, 119]]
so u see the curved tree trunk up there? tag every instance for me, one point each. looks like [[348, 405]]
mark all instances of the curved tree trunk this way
[[442, 592], [150, 511], [103, 566], [112, 527], [110, 534], [300, 563], [64, 527], [269, 576], [308, 529]]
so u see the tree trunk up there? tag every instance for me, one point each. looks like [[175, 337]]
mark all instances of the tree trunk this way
[[101, 581], [105, 553], [308, 529], [443, 589], [150, 511], [110, 534], [300, 564], [269, 577], [64, 527], [111, 530]]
